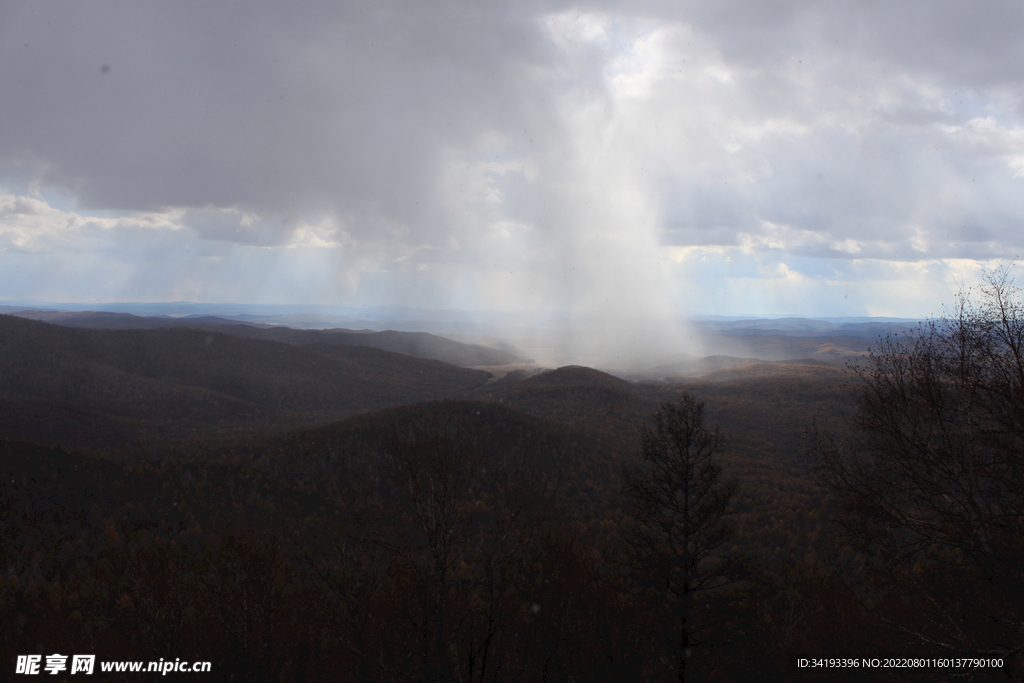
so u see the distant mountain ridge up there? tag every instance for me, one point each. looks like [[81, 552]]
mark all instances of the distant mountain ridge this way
[[57, 382], [417, 344], [807, 327], [112, 320], [733, 342]]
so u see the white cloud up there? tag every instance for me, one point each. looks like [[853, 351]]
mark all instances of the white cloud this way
[[30, 225], [538, 156]]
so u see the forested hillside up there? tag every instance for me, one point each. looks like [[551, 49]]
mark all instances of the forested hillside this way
[[59, 383], [418, 344], [324, 511]]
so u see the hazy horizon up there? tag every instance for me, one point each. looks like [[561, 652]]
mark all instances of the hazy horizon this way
[[402, 312], [637, 349]]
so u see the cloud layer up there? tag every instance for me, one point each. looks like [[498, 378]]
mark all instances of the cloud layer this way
[[587, 161]]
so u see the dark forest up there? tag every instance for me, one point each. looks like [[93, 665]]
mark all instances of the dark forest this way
[[300, 507]]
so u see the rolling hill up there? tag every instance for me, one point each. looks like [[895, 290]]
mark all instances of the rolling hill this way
[[177, 379], [418, 344]]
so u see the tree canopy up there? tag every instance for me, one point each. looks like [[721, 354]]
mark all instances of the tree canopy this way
[[933, 472]]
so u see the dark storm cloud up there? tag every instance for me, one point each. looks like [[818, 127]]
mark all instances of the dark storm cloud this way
[[269, 107], [518, 152], [966, 44], [349, 108]]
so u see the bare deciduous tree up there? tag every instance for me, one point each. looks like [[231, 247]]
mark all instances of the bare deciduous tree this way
[[933, 472]]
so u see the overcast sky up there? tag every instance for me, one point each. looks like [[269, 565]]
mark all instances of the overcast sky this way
[[596, 158]]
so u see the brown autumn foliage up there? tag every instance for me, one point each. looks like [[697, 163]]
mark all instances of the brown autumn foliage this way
[[480, 539]]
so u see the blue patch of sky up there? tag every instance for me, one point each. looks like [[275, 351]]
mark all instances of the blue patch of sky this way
[[968, 105]]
